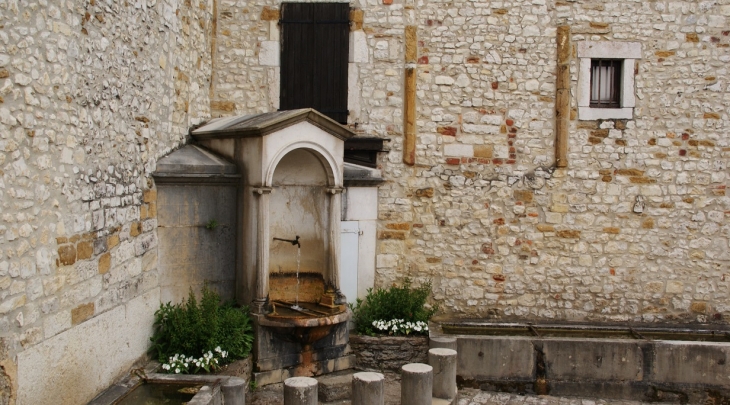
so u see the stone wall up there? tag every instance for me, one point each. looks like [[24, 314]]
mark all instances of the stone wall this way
[[92, 93], [633, 229], [388, 353], [197, 240]]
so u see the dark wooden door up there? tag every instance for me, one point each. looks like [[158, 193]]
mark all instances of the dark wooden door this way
[[314, 54]]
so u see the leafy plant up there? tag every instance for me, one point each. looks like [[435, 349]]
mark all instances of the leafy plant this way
[[405, 305], [192, 329], [212, 224]]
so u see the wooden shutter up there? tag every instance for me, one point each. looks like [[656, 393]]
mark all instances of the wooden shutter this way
[[314, 52]]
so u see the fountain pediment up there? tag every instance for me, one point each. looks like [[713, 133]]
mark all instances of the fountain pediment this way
[[259, 125]]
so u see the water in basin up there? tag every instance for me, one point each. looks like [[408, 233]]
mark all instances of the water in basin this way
[[160, 394]]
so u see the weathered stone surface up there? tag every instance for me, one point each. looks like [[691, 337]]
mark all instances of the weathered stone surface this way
[[594, 359], [425, 192], [67, 255], [82, 313], [105, 263], [388, 352], [411, 39], [487, 358], [86, 90], [84, 250], [269, 14], [335, 387], [90, 102], [74, 350], [8, 375]]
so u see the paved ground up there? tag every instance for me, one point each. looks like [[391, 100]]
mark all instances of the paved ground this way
[[470, 396], [273, 395]]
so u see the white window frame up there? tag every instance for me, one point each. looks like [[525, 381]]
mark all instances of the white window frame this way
[[588, 50]]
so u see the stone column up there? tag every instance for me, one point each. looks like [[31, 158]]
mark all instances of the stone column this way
[[335, 217], [443, 362], [368, 389], [300, 391], [262, 253], [442, 342], [416, 384]]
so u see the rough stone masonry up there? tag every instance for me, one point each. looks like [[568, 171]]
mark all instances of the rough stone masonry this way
[[92, 92], [634, 228]]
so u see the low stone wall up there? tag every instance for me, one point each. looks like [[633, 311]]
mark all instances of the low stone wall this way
[[388, 352], [622, 369], [240, 368]]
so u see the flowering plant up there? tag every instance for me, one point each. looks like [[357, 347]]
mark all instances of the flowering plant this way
[[181, 364], [397, 310], [199, 327], [401, 327]]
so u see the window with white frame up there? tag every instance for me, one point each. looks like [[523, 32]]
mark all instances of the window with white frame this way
[[606, 79]]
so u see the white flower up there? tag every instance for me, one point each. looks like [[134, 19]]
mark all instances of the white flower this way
[[177, 370]]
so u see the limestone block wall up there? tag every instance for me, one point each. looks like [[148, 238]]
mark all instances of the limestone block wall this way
[[197, 240], [633, 229], [92, 92], [246, 58]]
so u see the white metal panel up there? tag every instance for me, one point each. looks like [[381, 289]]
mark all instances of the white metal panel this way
[[350, 233], [366, 251]]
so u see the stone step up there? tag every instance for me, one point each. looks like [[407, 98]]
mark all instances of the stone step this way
[[335, 387]]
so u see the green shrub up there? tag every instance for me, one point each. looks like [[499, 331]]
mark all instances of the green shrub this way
[[193, 328], [395, 311]]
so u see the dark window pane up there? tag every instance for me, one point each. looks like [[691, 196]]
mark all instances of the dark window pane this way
[[606, 83]]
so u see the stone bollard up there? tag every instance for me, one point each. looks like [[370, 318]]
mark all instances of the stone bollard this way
[[442, 342], [300, 391], [443, 362], [416, 384], [234, 391], [368, 389]]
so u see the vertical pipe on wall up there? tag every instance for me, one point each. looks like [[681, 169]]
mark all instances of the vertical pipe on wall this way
[[562, 99], [409, 104]]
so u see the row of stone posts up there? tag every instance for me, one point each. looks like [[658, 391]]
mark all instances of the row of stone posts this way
[[420, 383]]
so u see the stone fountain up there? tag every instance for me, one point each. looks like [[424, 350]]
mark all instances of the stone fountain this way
[[289, 210]]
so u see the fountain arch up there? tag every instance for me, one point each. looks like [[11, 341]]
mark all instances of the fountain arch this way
[[328, 161]]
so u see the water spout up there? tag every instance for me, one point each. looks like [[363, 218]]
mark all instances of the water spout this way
[[292, 241], [296, 243]]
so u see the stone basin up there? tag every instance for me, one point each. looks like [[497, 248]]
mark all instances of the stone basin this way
[[646, 362], [294, 326]]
